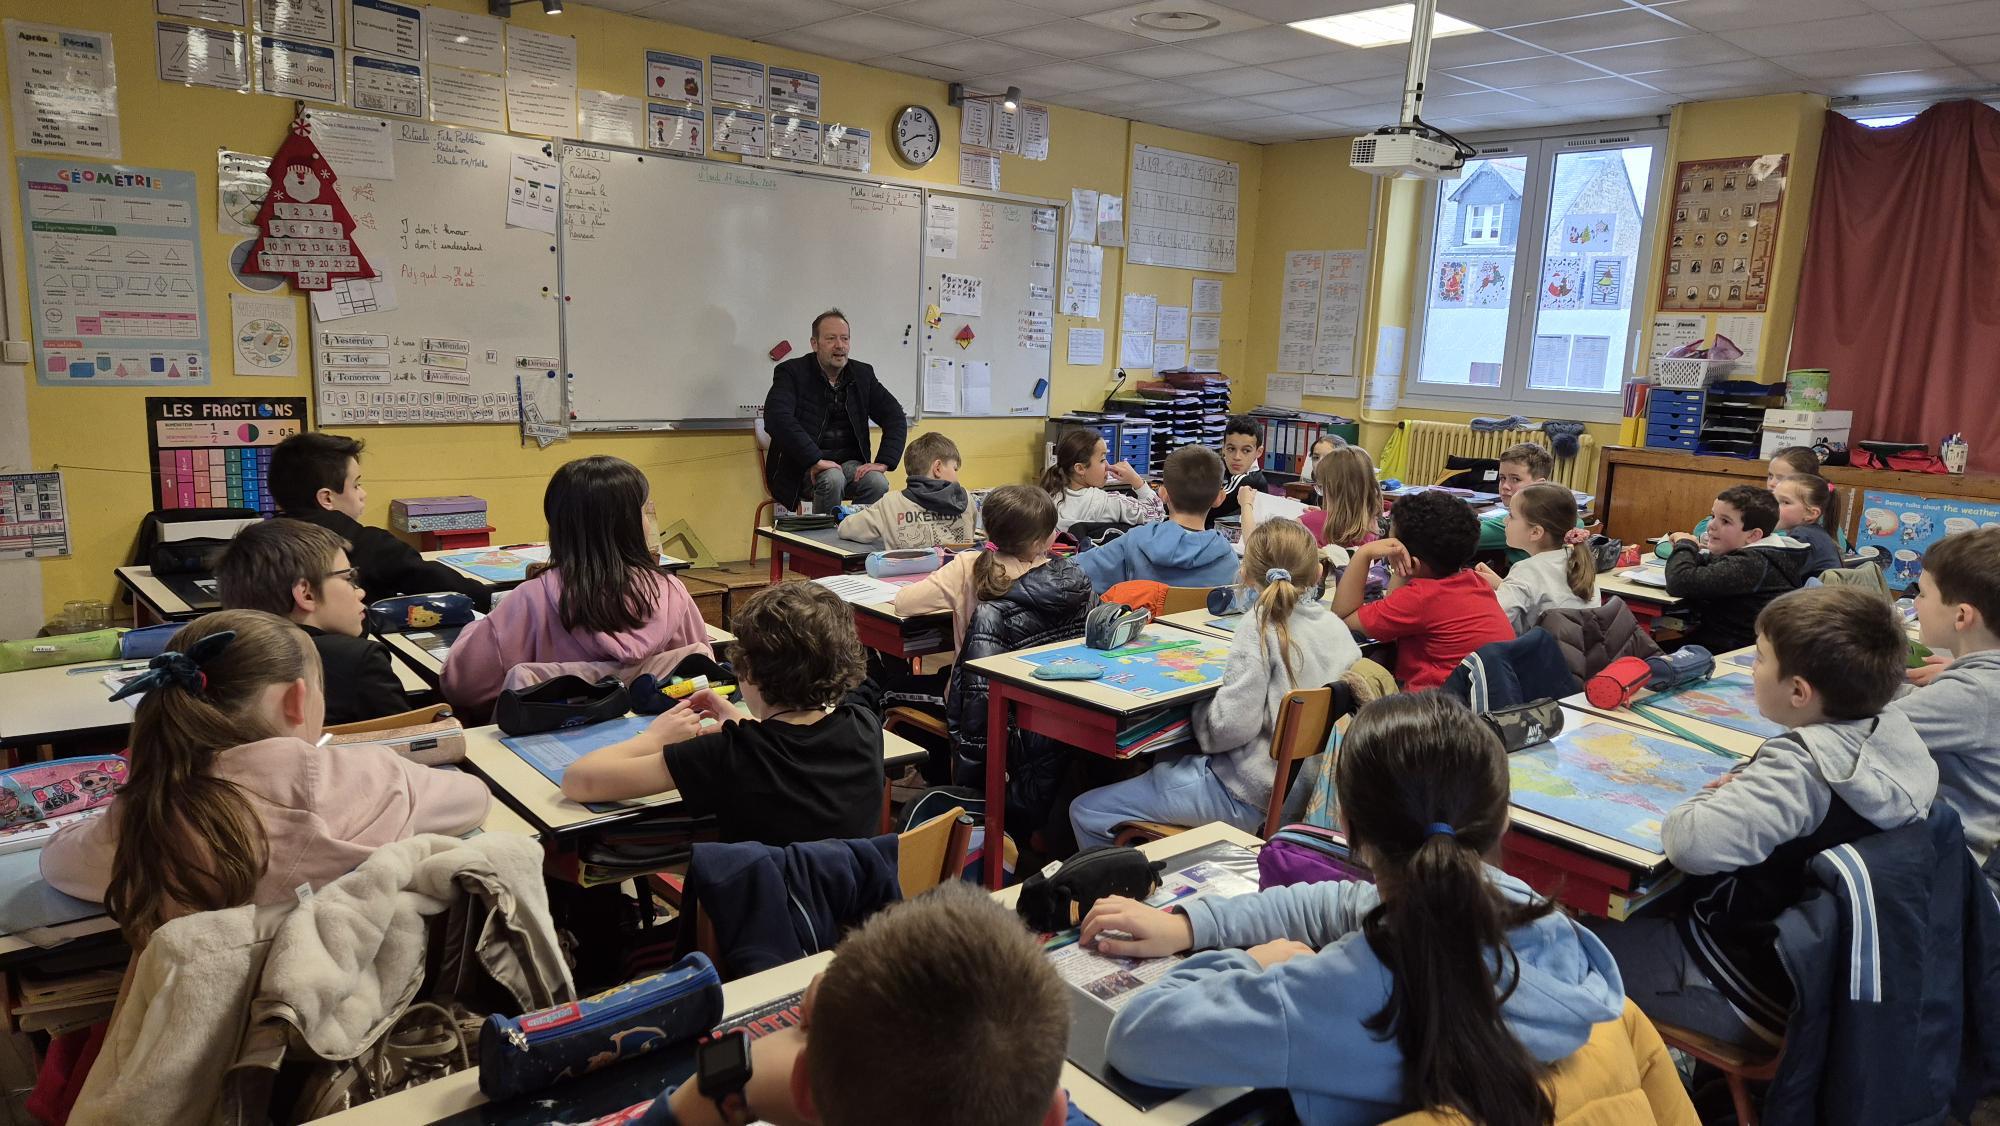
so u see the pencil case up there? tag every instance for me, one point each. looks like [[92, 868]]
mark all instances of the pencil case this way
[[1685, 665], [535, 1050], [1525, 725], [1620, 680], [147, 642], [904, 561], [651, 696], [1060, 895], [1069, 669], [419, 611], [1109, 625], [566, 701], [62, 649]]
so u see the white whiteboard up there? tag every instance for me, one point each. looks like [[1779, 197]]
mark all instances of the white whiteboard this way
[[680, 275], [1008, 252], [475, 299]]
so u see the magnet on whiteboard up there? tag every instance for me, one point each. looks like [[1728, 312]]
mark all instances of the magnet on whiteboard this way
[[1041, 387], [780, 350]]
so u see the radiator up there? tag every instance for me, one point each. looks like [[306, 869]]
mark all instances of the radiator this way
[[1430, 443]]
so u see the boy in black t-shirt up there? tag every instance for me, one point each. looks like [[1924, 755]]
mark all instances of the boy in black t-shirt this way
[[801, 760]]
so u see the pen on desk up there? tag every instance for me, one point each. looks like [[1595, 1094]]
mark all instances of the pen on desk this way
[[517, 546], [119, 666]]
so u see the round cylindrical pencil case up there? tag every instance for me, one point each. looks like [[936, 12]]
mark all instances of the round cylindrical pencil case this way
[[1620, 680], [532, 1051], [904, 561]]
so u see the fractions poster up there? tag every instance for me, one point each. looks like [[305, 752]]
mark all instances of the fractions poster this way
[[33, 523], [114, 274], [1724, 232], [216, 452]]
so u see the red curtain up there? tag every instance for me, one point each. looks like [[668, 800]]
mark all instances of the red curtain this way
[[1900, 291]]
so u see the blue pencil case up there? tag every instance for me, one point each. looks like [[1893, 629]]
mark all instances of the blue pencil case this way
[[420, 611], [904, 561], [539, 1049]]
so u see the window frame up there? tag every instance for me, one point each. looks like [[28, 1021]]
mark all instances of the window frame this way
[[1540, 151], [1490, 233]]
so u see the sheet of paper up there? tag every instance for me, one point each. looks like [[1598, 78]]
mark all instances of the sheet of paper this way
[[1007, 132], [794, 92], [1267, 506], [1205, 333], [1110, 220], [1207, 295], [1342, 295], [200, 56], [941, 228], [975, 124], [385, 29], [1204, 361], [388, 86], [740, 131], [849, 147], [976, 375], [979, 170], [541, 82], [1033, 330], [264, 335], [293, 68], [1082, 215], [679, 129], [1746, 331], [532, 187], [940, 385], [469, 97], [1137, 313], [1083, 280], [1298, 310], [610, 119], [242, 185], [859, 588], [795, 139], [1183, 210], [65, 90], [470, 40], [1171, 322], [736, 82], [1284, 391], [1086, 347], [1135, 349], [674, 77], [1334, 386], [351, 297], [214, 11], [1587, 360], [1550, 365], [1035, 132], [1169, 355], [1670, 333], [358, 148], [34, 521], [299, 19], [960, 295], [1389, 350]]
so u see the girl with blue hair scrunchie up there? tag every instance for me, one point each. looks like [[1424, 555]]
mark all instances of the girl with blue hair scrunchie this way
[[1288, 639]]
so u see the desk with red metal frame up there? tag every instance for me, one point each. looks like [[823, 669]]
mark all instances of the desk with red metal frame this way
[[815, 554], [1085, 714], [890, 633]]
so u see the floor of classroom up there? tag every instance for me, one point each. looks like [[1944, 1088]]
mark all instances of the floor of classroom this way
[[17, 1078]]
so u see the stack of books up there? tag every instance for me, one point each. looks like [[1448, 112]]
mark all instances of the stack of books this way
[[1157, 732], [61, 1002]]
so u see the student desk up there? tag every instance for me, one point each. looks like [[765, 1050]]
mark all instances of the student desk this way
[[1645, 602], [1197, 621], [426, 658], [893, 635], [61, 704], [1081, 713], [668, 563], [456, 1098], [175, 598], [815, 554]]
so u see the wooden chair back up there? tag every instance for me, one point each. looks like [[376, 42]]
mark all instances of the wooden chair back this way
[[1305, 719], [1181, 598], [933, 852]]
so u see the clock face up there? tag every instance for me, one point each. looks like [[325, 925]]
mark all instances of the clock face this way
[[917, 135]]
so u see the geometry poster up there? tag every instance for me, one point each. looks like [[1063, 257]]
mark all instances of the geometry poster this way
[[114, 274], [216, 452]]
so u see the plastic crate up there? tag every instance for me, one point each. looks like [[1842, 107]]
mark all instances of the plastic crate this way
[[1686, 373]]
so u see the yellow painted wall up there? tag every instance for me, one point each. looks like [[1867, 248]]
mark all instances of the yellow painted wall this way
[[98, 435]]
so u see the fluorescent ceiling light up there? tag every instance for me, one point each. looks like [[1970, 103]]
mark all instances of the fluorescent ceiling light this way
[[1379, 27]]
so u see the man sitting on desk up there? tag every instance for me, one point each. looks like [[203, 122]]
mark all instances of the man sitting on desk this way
[[817, 413]]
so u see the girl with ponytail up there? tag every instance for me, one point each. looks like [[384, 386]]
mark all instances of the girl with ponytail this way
[[1446, 985], [231, 799], [1288, 640], [1075, 481], [1559, 572]]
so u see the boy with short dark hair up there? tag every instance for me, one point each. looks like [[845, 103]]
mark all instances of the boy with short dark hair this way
[[1828, 661], [316, 477], [1958, 712], [800, 760], [931, 510], [1437, 611], [1744, 568], [921, 980], [299, 571], [1242, 461], [1521, 464], [1180, 550]]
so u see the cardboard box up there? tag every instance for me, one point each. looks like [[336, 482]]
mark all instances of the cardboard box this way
[[1825, 431], [429, 514]]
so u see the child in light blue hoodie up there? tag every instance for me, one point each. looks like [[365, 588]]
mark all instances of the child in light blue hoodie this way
[[1327, 990], [1177, 551]]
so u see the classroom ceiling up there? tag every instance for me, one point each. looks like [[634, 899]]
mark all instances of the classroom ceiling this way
[[1251, 77]]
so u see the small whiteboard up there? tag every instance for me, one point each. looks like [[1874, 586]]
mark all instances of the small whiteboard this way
[[681, 275], [990, 269], [474, 300]]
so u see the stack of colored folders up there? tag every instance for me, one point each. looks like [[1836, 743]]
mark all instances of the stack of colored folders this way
[[1157, 732]]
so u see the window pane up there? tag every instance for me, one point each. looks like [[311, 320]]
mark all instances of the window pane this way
[[1590, 256], [1469, 286]]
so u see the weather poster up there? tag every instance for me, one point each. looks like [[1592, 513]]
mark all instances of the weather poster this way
[[216, 452]]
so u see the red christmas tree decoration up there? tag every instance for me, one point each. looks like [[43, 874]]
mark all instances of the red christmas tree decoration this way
[[303, 228]]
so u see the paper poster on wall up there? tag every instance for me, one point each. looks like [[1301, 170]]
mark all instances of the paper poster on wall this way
[[214, 11], [1746, 331], [114, 273], [1298, 311], [740, 131], [1284, 391], [1490, 283], [34, 521], [241, 185], [794, 139], [385, 86], [1342, 295], [735, 82], [976, 387], [64, 83], [352, 297], [1170, 322], [1333, 386], [1588, 358], [1033, 330], [1562, 282], [1183, 210], [1607, 282], [975, 124], [202, 56], [1086, 347], [293, 68], [674, 128], [1083, 280], [1670, 333], [264, 335], [1007, 132], [532, 188], [358, 148], [960, 295], [794, 92], [1905, 526], [941, 228], [541, 82], [384, 28], [979, 170], [610, 119], [1207, 295], [849, 147], [1082, 215], [469, 97], [1549, 366], [298, 19], [674, 77], [1448, 283], [940, 385], [1035, 132], [1205, 361], [1169, 355], [1137, 313], [1110, 219], [468, 40], [1204, 333], [1135, 349], [1589, 231], [216, 452], [1723, 237]]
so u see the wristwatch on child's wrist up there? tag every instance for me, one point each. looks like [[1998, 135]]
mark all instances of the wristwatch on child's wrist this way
[[722, 1071]]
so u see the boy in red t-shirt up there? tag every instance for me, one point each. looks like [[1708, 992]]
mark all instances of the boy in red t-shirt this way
[[1436, 611]]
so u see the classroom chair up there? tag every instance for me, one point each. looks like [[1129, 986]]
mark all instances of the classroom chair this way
[[1181, 598], [1739, 1066], [769, 503], [1305, 720]]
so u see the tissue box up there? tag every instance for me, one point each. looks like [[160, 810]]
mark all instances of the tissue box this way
[[1825, 431], [436, 514]]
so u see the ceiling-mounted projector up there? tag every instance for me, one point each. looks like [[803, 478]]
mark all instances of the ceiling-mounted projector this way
[[1402, 150]]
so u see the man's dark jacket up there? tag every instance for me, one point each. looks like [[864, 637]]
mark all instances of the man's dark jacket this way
[[795, 410]]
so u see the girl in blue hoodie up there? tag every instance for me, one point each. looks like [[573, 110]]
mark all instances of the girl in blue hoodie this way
[[1447, 984]]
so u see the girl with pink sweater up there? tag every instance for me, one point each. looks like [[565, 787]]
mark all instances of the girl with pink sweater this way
[[601, 598]]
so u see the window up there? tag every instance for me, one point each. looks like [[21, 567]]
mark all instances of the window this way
[[1547, 316], [1482, 224]]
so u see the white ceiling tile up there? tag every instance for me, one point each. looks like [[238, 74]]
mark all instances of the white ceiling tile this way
[[1904, 5], [1901, 82], [979, 56], [1291, 11], [1525, 72], [1149, 93], [1471, 50], [1583, 95], [1312, 99], [1243, 80], [1611, 29], [1661, 54], [1221, 109], [1717, 76], [1065, 78], [918, 67], [969, 17], [1261, 45], [1387, 88], [1072, 39], [1982, 17], [1731, 15], [1477, 102], [1864, 60], [861, 35], [1345, 64], [1372, 116], [1073, 7], [747, 19], [1988, 71], [621, 5], [1869, 30], [1226, 20], [1513, 13], [1163, 62], [1089, 101], [1976, 49]]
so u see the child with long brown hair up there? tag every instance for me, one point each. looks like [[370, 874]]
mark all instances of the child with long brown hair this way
[[1020, 525], [1350, 507], [1287, 640], [1075, 482], [231, 799], [1559, 572], [1809, 512], [1445, 985]]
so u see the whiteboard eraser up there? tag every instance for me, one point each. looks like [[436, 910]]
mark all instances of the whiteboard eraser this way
[[781, 349]]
